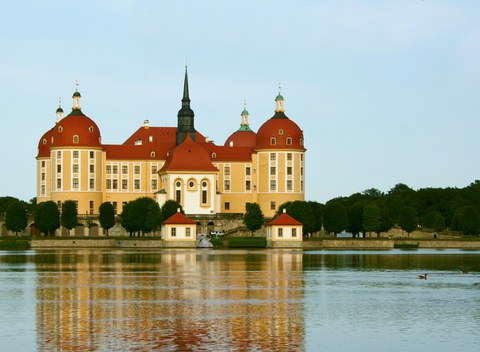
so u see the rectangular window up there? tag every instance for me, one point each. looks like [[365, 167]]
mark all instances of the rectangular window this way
[[247, 185], [92, 155], [227, 170], [289, 185], [248, 171], [137, 184], [289, 156], [43, 163], [43, 190], [154, 169], [273, 185], [59, 183], [124, 184], [273, 205], [75, 154], [273, 170], [59, 154], [59, 168], [92, 169], [154, 184], [92, 183], [109, 184], [294, 232], [109, 169], [75, 183], [188, 230], [173, 232], [75, 168], [178, 195], [301, 157], [227, 185], [280, 232], [301, 171], [114, 207], [137, 169], [273, 156], [289, 170], [115, 184], [92, 206], [204, 197], [43, 176], [227, 205], [115, 169], [301, 186], [124, 169]]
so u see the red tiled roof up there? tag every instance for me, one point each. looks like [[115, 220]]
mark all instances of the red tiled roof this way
[[284, 219], [223, 153], [141, 151], [280, 127], [188, 156], [44, 144], [179, 218], [242, 139], [76, 124], [157, 134]]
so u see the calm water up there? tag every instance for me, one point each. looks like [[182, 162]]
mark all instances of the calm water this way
[[264, 300]]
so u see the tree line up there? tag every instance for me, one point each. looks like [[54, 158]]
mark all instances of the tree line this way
[[436, 209]]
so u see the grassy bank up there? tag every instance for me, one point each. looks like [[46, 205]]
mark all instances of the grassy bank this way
[[13, 244]]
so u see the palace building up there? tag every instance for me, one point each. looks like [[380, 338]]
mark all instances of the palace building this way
[[180, 163]]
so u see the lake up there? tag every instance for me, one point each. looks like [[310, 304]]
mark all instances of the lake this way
[[239, 300]]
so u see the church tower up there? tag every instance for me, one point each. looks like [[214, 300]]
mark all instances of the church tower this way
[[185, 116]]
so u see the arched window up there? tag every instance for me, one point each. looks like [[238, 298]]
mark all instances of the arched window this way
[[178, 191], [273, 141], [204, 192], [152, 154], [214, 155], [289, 140], [75, 139]]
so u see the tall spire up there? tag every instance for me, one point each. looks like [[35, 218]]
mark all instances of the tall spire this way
[[76, 98], [185, 117], [244, 125], [59, 111]]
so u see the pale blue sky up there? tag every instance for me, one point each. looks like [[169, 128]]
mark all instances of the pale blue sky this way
[[385, 91]]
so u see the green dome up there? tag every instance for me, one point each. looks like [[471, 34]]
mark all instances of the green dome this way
[[279, 97], [245, 112], [76, 94], [59, 110]]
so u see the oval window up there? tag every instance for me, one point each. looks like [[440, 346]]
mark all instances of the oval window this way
[[191, 184], [178, 183]]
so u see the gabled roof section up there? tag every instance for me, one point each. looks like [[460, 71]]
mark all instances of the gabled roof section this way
[[188, 156], [179, 219], [284, 219]]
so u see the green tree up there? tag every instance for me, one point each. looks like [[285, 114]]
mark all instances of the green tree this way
[[372, 218], [373, 193], [469, 221], [335, 217], [47, 217], [408, 219], [106, 216], [169, 208], [302, 212], [69, 216], [317, 212], [153, 218], [434, 220], [16, 217], [253, 218], [355, 217], [126, 218]]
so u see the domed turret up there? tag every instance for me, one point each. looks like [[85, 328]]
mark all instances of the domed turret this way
[[279, 132], [244, 136]]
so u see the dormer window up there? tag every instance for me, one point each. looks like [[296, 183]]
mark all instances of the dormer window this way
[[44, 141], [289, 141], [152, 154], [75, 139], [280, 132], [214, 155], [60, 129], [273, 141], [90, 129]]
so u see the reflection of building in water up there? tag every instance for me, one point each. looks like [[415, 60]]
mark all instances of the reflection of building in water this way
[[176, 300]]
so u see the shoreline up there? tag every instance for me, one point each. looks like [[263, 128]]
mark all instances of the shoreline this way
[[337, 243]]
